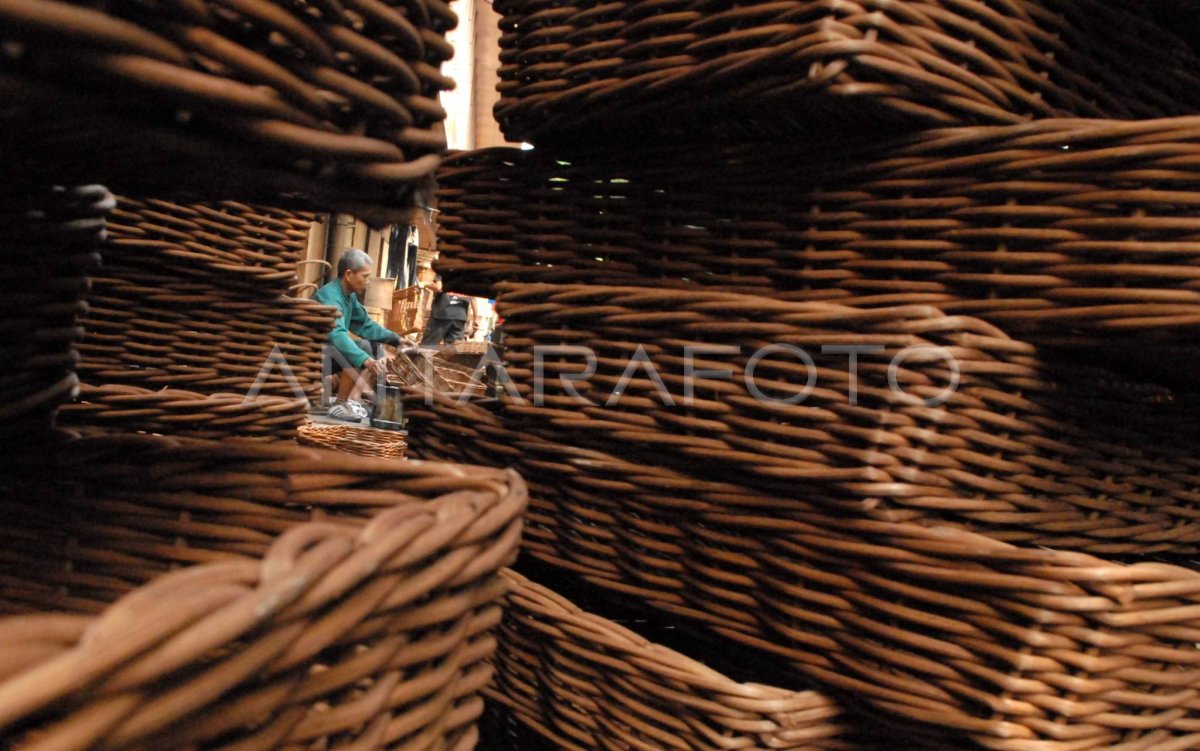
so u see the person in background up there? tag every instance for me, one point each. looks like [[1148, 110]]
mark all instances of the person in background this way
[[351, 342], [449, 317]]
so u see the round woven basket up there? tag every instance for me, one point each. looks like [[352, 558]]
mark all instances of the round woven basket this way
[[353, 439], [969, 641], [1066, 231], [646, 69], [325, 105], [323, 598]]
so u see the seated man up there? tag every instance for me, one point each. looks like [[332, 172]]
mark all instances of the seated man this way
[[353, 357]]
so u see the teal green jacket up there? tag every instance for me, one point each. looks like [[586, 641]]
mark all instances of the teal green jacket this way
[[353, 320]]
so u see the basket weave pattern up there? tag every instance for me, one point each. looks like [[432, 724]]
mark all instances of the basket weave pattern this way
[[179, 412], [681, 67], [255, 248], [384, 444], [1017, 450], [944, 627], [48, 243], [585, 682], [429, 371], [346, 600], [187, 330], [324, 104], [1066, 231]]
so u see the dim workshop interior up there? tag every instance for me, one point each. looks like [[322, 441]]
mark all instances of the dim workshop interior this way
[[613, 375]]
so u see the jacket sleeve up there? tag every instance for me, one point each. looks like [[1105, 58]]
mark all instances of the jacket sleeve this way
[[368, 329], [341, 339]]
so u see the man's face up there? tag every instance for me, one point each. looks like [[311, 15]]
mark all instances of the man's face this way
[[357, 281], [436, 286]]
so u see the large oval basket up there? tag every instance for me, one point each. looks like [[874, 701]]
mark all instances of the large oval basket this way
[[335, 601]]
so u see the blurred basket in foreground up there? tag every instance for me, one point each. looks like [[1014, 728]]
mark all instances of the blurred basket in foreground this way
[[1077, 232], [967, 640], [315, 106], [370, 624], [939, 420], [692, 69]]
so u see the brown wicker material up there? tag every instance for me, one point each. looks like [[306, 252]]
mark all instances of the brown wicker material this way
[[1064, 230], [48, 241], [177, 412], [416, 370], [1021, 449], [943, 628], [386, 444], [251, 248], [476, 349], [320, 104], [459, 377], [153, 330], [289, 635], [408, 304], [584, 682], [688, 67], [424, 370]]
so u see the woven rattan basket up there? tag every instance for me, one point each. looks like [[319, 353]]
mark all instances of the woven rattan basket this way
[[327, 105], [584, 682], [187, 332], [426, 370], [692, 68], [1067, 231], [250, 248], [386, 444], [48, 241], [330, 599], [942, 628], [152, 330], [177, 412], [940, 418]]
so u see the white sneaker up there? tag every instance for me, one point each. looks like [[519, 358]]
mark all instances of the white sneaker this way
[[358, 409], [343, 411]]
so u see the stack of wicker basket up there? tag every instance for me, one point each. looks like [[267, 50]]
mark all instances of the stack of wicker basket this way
[[168, 591], [189, 329], [908, 411]]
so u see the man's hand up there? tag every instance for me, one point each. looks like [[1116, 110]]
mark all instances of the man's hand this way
[[375, 366]]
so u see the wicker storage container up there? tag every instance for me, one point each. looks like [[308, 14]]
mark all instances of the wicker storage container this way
[[435, 373], [253, 249], [940, 419], [330, 105], [177, 412], [352, 439], [188, 331], [585, 682], [333, 600], [153, 331], [970, 640], [648, 68], [48, 242], [1066, 231]]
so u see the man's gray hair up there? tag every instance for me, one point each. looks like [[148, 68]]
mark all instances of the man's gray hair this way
[[353, 259]]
